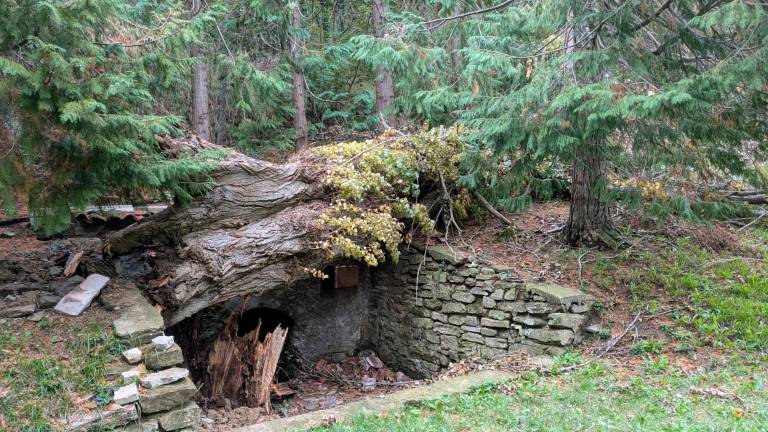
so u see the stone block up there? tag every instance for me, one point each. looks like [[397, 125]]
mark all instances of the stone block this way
[[479, 291], [475, 308], [162, 343], [432, 304], [488, 332], [538, 308], [133, 355], [454, 307], [130, 376], [514, 307], [565, 320], [456, 319], [173, 356], [463, 297], [167, 397], [498, 315], [449, 342], [431, 337], [495, 342], [469, 271], [456, 279], [77, 300], [488, 322], [472, 337], [140, 321], [443, 253], [489, 303], [184, 417], [446, 329], [443, 292], [471, 329], [164, 377], [112, 417], [510, 294], [126, 394], [558, 295], [547, 336], [440, 317], [472, 321], [18, 311], [497, 294], [425, 323], [530, 321]]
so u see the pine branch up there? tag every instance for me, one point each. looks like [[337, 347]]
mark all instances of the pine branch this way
[[435, 23]]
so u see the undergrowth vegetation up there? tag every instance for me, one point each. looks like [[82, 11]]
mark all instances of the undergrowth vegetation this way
[[43, 382], [723, 297]]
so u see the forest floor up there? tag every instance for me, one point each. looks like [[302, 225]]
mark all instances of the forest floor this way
[[684, 308]]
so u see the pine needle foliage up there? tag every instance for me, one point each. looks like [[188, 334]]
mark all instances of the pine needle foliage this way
[[78, 86], [677, 85]]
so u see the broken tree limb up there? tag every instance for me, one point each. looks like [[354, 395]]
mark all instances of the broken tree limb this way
[[492, 210]]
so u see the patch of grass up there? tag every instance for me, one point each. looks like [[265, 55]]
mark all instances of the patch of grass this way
[[596, 399], [648, 346], [727, 297], [41, 383]]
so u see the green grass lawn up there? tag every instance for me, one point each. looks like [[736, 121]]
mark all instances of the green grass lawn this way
[[596, 398]]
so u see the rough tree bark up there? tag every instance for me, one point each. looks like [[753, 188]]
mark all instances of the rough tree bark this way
[[297, 78], [385, 87], [253, 232], [589, 220], [199, 117]]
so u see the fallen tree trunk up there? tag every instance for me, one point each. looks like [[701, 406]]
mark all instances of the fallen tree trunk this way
[[254, 231]]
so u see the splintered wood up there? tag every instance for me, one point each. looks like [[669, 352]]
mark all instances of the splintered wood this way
[[242, 369]]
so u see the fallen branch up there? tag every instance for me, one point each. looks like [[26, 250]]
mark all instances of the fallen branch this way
[[612, 343], [492, 210]]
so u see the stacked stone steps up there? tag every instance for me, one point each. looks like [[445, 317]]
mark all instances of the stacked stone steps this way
[[156, 394]]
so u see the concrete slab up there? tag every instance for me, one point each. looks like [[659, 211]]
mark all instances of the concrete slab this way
[[78, 300], [382, 404]]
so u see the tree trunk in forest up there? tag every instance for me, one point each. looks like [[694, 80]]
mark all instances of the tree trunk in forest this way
[[199, 120], [589, 221], [297, 78], [385, 88]]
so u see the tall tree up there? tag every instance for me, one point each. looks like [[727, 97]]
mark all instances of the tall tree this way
[[385, 87], [199, 117], [297, 78]]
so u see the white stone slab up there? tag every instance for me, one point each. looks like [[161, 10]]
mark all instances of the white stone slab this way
[[167, 376], [78, 300], [133, 355], [126, 394], [162, 343]]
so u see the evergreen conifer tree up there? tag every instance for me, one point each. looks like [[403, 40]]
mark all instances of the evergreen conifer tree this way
[[78, 86]]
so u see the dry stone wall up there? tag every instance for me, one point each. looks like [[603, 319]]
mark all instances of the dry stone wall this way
[[460, 309]]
